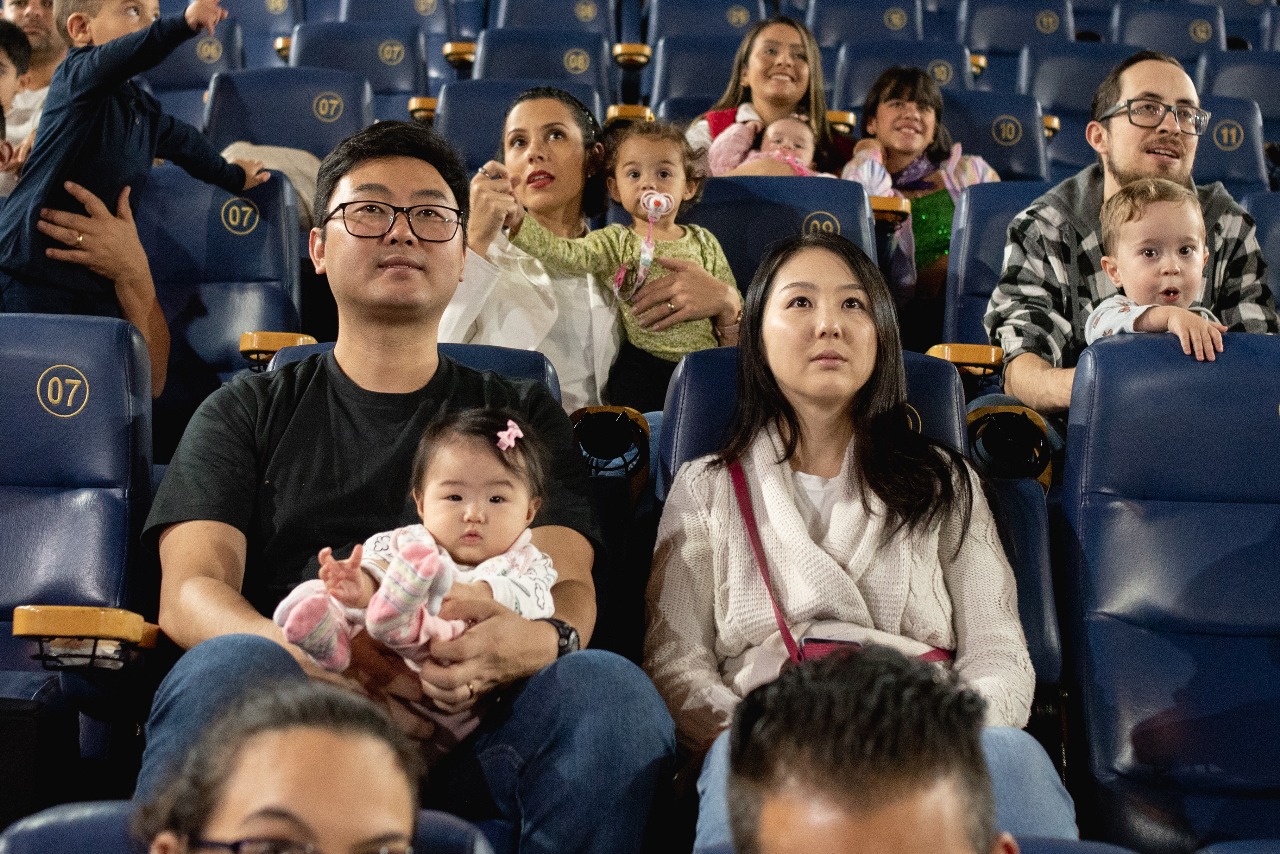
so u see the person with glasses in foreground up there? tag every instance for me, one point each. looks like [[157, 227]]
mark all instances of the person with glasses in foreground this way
[[276, 466], [298, 768], [1147, 122]]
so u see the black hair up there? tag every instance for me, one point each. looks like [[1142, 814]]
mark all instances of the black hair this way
[[595, 197], [690, 160], [1108, 93], [918, 86], [913, 476], [861, 730], [528, 459], [15, 45], [393, 139], [195, 787]]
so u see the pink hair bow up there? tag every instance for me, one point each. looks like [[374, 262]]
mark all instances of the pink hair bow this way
[[507, 438]]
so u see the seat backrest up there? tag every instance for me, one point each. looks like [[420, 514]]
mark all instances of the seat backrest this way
[[1265, 210], [181, 80], [1181, 29], [1246, 74], [1095, 20], [860, 63], [1000, 29], [430, 16], [391, 55], [748, 214], [509, 362], [470, 113], [583, 16], [704, 391], [263, 21], [309, 108], [979, 231], [728, 18], [692, 65], [1064, 76], [320, 11], [1231, 150], [1171, 495], [573, 55], [75, 465], [683, 109], [102, 827], [834, 22], [1005, 130]]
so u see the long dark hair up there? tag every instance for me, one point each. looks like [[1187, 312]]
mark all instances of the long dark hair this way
[[594, 193], [910, 84], [914, 476]]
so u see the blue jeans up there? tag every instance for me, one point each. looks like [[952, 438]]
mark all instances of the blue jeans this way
[[569, 761], [1030, 799]]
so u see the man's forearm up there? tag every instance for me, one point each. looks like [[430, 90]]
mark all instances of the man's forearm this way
[[574, 592], [204, 608], [1038, 384]]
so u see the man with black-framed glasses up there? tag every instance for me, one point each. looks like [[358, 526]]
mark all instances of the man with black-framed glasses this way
[[1147, 123], [276, 466]]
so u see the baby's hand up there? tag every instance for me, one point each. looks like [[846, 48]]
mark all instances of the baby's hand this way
[[756, 126], [1198, 335], [254, 172], [344, 579], [205, 15]]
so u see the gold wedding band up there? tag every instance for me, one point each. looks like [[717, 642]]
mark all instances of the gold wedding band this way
[[471, 692], [671, 308], [80, 242]]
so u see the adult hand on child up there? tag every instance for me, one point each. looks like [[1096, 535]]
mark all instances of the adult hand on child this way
[[255, 172], [689, 292], [499, 647], [204, 15], [493, 206]]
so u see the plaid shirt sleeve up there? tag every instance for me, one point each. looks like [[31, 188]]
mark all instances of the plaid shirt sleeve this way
[[1026, 312], [1236, 287]]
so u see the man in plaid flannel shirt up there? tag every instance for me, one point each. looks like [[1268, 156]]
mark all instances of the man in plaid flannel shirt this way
[[1053, 273]]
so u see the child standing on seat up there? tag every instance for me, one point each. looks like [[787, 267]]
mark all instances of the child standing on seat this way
[[478, 481], [653, 174], [789, 139], [1154, 236], [102, 131]]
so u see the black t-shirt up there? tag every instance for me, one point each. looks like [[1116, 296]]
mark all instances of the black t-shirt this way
[[301, 458]]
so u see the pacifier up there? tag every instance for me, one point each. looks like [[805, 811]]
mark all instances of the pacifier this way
[[657, 204]]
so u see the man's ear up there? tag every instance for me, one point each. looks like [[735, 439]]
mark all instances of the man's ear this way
[[315, 248], [1005, 844], [166, 843], [1096, 135]]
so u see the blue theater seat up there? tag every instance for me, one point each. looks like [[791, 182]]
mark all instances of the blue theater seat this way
[[510, 363], [321, 11], [222, 265], [692, 67], [860, 63], [1245, 74], [470, 113], [1181, 29], [1171, 496], [430, 16], [1265, 210], [978, 232], [1248, 23], [748, 214], [262, 21], [309, 108], [102, 827], [181, 82], [683, 109], [584, 16], [569, 55], [834, 22], [391, 55], [1231, 150], [1000, 29], [1095, 20], [1005, 130], [725, 18], [74, 490]]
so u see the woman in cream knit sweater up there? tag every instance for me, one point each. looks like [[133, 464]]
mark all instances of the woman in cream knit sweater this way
[[871, 533]]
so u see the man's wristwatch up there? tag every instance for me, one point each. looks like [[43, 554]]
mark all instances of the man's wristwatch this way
[[568, 641]]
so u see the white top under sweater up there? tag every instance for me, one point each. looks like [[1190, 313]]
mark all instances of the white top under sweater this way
[[712, 633]]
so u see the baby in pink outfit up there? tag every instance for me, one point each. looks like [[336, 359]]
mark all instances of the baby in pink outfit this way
[[789, 139]]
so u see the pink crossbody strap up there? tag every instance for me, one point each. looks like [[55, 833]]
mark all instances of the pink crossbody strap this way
[[743, 495]]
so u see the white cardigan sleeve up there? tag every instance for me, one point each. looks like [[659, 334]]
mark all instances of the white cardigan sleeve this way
[[991, 650], [680, 643]]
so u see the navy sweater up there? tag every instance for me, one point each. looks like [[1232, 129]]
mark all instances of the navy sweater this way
[[102, 131]]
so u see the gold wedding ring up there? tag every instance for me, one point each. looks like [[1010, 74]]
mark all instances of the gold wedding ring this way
[[80, 242], [671, 308]]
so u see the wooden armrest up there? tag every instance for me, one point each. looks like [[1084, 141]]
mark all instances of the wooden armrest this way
[[842, 121], [627, 113], [422, 109], [975, 358], [890, 209], [259, 347], [459, 54], [1052, 124], [631, 55], [977, 63], [282, 45]]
